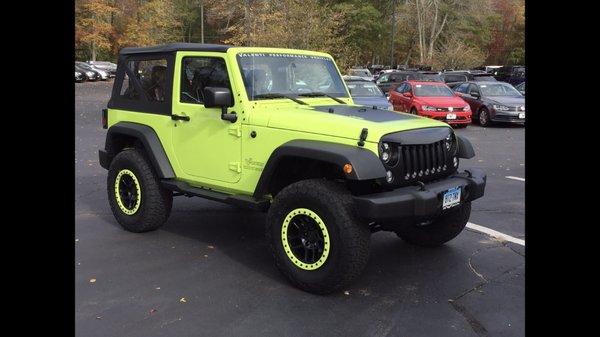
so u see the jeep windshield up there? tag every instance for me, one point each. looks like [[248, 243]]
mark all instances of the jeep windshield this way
[[291, 75]]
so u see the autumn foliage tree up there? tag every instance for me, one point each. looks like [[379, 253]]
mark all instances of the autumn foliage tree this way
[[440, 33]]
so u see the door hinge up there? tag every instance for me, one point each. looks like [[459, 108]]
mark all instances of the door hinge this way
[[235, 166], [235, 130]]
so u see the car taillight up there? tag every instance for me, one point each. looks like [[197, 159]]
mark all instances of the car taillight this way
[[105, 118]]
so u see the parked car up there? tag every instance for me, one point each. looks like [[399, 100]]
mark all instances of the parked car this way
[[109, 67], [90, 74], [387, 81], [511, 74], [364, 73], [521, 88], [103, 74], [489, 69], [79, 75], [453, 78], [366, 93], [493, 102], [431, 99]]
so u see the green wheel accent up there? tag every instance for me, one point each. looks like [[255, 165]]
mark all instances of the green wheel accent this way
[[128, 192], [305, 239]]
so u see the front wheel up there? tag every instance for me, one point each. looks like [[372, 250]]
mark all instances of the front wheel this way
[[439, 231], [316, 239], [484, 117]]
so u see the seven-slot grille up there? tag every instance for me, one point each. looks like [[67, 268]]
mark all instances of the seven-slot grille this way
[[422, 162]]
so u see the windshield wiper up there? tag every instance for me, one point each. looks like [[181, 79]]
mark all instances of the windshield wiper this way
[[274, 95], [321, 94]]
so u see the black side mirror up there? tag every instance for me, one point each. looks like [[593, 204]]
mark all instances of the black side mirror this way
[[215, 97], [474, 94]]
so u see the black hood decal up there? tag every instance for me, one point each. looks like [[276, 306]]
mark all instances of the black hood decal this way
[[364, 112]]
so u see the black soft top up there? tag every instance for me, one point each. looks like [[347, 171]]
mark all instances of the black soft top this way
[[174, 47]]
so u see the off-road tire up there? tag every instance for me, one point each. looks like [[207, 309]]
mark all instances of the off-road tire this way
[[486, 120], [443, 229], [155, 202], [349, 237]]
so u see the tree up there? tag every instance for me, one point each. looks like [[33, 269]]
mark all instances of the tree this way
[[93, 24]]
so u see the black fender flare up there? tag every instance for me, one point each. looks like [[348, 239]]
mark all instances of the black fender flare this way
[[366, 165], [465, 148], [149, 139]]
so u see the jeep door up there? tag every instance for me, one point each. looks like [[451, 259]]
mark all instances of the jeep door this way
[[207, 147]]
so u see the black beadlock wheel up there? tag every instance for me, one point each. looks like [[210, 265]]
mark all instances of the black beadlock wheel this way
[[441, 230], [136, 198], [317, 240]]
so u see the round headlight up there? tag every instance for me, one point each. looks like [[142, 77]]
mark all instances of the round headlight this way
[[386, 152]]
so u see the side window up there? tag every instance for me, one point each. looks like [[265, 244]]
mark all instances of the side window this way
[[201, 72], [454, 78], [408, 88], [383, 78], [473, 87], [462, 88], [152, 77], [401, 88]]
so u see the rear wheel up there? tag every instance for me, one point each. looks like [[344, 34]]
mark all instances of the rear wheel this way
[[136, 198], [439, 231], [414, 111], [316, 239]]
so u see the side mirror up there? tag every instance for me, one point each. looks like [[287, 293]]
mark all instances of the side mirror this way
[[215, 97], [456, 93], [474, 94]]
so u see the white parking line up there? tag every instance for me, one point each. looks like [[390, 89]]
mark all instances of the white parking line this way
[[515, 178], [495, 234]]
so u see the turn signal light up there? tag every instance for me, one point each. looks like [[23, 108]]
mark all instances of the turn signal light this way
[[348, 168]]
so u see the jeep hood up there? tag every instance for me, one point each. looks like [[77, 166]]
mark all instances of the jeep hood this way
[[346, 121]]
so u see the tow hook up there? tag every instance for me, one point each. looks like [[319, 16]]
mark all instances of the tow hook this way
[[421, 185]]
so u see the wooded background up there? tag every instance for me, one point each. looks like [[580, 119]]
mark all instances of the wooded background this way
[[439, 33]]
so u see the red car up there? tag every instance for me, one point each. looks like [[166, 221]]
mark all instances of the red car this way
[[431, 99]]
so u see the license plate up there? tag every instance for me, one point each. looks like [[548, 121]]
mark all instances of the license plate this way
[[522, 115], [451, 198], [451, 116]]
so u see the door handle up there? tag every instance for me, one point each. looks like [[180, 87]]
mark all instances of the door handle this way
[[180, 118]]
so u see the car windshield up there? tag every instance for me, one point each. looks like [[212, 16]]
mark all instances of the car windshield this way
[[364, 89], [424, 90], [484, 78], [289, 74], [499, 89], [360, 72], [430, 77]]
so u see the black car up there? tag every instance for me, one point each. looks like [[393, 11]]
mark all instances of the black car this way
[[390, 80], [79, 75], [511, 74], [453, 78], [90, 74], [493, 101]]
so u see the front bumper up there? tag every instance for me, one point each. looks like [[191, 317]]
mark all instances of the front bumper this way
[[414, 202], [507, 117]]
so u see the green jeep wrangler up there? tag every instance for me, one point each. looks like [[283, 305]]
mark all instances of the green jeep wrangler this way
[[276, 130]]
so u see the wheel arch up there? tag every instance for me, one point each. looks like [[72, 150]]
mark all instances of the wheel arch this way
[[305, 159], [128, 134]]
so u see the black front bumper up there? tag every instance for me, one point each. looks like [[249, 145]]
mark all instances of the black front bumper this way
[[416, 202]]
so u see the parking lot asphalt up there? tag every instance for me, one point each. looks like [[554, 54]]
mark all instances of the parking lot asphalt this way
[[208, 271]]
